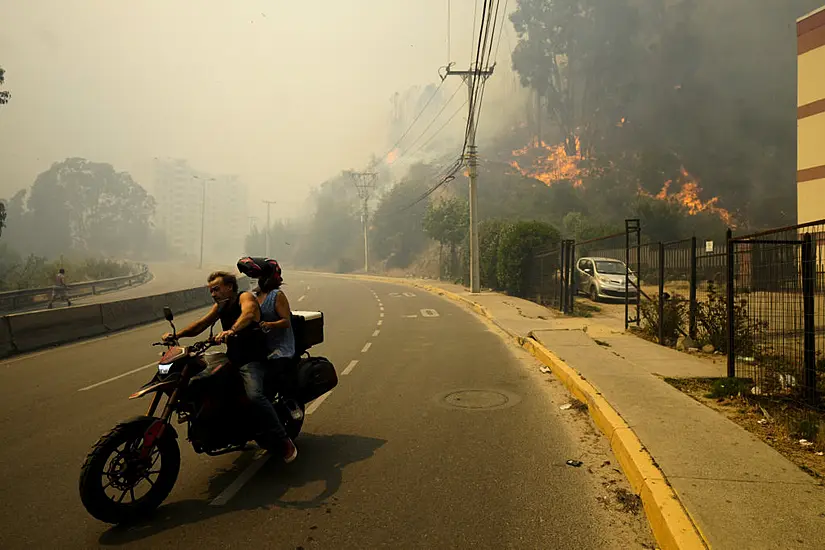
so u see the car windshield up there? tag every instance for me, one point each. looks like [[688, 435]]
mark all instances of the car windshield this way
[[611, 268]]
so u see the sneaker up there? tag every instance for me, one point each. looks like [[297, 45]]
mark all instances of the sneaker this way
[[290, 450]]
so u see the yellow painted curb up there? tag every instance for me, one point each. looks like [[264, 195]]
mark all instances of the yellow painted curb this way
[[670, 522]]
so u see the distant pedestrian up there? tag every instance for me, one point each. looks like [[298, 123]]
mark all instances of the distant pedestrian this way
[[60, 291]]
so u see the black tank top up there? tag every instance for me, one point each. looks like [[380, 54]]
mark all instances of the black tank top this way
[[249, 343]]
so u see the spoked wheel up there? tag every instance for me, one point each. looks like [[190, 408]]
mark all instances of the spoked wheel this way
[[116, 485]]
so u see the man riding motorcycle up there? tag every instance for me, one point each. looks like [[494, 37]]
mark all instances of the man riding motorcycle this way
[[240, 315]]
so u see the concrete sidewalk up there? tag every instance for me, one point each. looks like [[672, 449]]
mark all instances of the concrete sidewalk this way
[[739, 492]]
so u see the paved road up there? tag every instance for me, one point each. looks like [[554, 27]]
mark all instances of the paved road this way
[[384, 460]]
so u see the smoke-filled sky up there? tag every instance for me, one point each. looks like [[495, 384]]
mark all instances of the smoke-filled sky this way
[[283, 93]]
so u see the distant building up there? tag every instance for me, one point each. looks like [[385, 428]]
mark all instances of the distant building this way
[[810, 175], [179, 191]]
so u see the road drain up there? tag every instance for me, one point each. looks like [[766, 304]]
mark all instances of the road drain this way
[[478, 399]]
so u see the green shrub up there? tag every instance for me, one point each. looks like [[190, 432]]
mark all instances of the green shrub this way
[[712, 323], [489, 235], [730, 387], [517, 243], [675, 313]]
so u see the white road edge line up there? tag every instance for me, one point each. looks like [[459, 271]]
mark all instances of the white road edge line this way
[[376, 333], [366, 348], [245, 476], [380, 322], [119, 376], [349, 367], [317, 403]]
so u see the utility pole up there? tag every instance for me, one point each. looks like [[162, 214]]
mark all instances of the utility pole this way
[[473, 78], [365, 183], [268, 204]]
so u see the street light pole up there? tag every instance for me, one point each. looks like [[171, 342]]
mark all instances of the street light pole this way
[[203, 214], [203, 217], [268, 204]]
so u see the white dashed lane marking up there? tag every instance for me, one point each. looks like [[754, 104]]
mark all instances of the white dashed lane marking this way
[[349, 367]]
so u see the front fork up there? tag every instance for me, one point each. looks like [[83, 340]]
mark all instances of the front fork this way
[[156, 429]]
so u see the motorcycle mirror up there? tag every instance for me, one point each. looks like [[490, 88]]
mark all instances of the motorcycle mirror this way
[[167, 313]]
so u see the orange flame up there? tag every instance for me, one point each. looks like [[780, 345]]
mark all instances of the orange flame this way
[[550, 164], [688, 197], [392, 156]]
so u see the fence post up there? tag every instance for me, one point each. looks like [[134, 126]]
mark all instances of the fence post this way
[[561, 277], [566, 269], [808, 304], [693, 304], [639, 273], [730, 304], [627, 272], [571, 293], [662, 293]]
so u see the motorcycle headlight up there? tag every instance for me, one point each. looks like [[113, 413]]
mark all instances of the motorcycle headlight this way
[[163, 368]]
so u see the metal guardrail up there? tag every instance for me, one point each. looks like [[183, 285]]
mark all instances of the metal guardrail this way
[[14, 300]]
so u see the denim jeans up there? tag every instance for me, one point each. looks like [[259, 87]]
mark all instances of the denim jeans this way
[[253, 382]]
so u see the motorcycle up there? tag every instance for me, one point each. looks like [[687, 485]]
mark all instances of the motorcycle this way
[[206, 394]]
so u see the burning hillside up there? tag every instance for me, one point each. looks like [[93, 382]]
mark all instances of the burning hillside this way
[[548, 163], [688, 197]]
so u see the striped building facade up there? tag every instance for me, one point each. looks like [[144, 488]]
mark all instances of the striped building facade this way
[[810, 131]]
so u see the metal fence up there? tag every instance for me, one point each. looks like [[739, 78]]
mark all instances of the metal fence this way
[[758, 298], [550, 276], [775, 314], [33, 298]]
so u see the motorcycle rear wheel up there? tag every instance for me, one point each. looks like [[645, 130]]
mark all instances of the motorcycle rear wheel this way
[[126, 473]]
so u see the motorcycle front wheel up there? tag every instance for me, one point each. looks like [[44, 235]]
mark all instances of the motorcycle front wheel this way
[[116, 485]]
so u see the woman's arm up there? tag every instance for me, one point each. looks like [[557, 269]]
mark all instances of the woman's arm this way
[[285, 314]]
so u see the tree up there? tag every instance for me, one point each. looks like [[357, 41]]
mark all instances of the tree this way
[[5, 95], [398, 234], [334, 234], [2, 217], [447, 222], [90, 207]]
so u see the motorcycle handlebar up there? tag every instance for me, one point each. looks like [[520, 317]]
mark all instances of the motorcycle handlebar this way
[[197, 346]]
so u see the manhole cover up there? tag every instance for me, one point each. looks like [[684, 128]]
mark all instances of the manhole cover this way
[[478, 399]]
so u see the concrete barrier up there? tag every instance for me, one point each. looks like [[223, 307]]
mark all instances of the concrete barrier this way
[[128, 313], [40, 329], [6, 343], [24, 332]]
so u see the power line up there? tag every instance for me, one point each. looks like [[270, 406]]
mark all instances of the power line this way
[[501, 29], [440, 128], [449, 29], [431, 122], [407, 131], [475, 14]]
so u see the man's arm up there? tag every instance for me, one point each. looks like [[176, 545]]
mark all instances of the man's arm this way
[[282, 307], [250, 313], [201, 324]]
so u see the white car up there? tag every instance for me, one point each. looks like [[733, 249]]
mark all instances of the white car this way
[[604, 278]]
